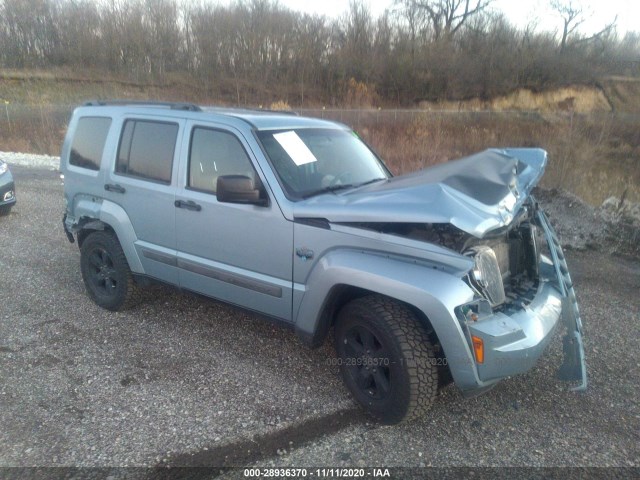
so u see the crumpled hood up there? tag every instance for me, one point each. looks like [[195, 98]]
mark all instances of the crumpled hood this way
[[476, 194]]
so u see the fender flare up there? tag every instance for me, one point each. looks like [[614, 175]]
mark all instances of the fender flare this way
[[89, 211], [429, 289]]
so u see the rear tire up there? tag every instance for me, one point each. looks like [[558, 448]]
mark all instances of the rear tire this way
[[106, 273], [386, 358]]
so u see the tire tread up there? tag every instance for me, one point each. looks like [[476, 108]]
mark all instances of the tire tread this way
[[132, 291], [413, 339]]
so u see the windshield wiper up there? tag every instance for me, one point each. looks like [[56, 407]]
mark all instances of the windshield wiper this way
[[335, 188], [331, 188], [368, 182]]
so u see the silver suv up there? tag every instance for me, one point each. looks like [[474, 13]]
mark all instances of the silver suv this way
[[451, 273]]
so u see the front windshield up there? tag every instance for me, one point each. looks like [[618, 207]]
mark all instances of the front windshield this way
[[311, 161]]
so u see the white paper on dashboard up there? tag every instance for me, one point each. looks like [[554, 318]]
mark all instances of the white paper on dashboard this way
[[295, 148]]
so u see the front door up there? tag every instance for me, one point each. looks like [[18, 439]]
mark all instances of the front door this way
[[241, 254]]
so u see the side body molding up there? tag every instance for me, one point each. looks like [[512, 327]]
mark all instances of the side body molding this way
[[432, 291]]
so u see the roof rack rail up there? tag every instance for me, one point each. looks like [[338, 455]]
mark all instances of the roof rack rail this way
[[223, 110], [172, 105], [270, 110]]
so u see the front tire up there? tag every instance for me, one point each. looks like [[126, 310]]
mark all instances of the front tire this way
[[106, 274], [5, 210], [386, 358]]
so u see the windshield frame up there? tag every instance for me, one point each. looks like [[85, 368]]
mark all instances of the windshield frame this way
[[300, 196]]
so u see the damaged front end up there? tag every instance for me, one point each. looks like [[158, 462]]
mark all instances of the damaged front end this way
[[523, 292], [522, 285], [481, 207], [574, 366]]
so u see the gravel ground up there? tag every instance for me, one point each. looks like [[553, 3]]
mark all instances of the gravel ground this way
[[181, 380], [610, 229], [532, 419], [82, 386]]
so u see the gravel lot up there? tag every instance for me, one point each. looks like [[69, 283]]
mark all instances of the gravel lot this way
[[181, 380]]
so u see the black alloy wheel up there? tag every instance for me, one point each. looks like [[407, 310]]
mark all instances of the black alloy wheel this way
[[105, 271], [386, 358]]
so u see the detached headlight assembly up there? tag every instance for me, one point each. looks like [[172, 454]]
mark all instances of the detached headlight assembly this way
[[3, 167], [485, 275]]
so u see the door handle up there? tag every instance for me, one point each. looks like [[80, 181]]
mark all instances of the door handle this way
[[114, 188], [188, 204]]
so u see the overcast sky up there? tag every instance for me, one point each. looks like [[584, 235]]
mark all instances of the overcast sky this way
[[520, 12]]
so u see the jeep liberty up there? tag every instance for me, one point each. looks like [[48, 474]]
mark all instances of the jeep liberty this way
[[452, 273]]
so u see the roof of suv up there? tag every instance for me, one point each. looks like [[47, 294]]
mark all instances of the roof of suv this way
[[258, 119]]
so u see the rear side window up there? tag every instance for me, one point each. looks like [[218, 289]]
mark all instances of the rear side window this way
[[215, 153], [88, 142], [146, 150]]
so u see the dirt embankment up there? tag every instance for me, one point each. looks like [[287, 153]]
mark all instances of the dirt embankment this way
[[62, 87], [623, 93], [43, 87], [612, 94]]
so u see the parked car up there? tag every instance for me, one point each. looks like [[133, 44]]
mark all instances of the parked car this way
[[7, 189], [449, 273]]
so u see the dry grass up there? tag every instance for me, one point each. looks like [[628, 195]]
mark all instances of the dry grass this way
[[280, 105], [68, 87], [579, 99], [592, 156], [32, 130]]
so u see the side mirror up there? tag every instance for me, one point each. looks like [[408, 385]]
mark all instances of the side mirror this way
[[239, 189]]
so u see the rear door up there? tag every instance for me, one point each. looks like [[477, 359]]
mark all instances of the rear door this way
[[241, 254], [142, 181]]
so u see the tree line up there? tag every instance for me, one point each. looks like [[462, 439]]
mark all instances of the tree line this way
[[417, 50]]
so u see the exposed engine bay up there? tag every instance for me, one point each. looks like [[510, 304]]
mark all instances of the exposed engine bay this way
[[506, 260]]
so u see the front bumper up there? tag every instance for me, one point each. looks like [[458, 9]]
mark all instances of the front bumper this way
[[514, 342], [7, 189]]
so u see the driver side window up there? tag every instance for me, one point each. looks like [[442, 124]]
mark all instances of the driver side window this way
[[214, 153]]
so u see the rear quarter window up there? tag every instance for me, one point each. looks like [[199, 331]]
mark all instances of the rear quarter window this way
[[88, 142]]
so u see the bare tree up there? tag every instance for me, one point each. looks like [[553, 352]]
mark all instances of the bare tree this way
[[310, 53], [416, 20], [355, 40], [162, 34], [30, 36], [252, 49], [448, 16], [574, 14], [77, 23]]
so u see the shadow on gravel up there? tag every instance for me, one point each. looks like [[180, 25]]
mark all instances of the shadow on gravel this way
[[247, 451]]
